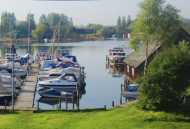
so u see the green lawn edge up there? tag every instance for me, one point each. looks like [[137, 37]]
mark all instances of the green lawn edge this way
[[125, 117]]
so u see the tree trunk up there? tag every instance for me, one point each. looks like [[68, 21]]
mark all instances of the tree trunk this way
[[146, 58]]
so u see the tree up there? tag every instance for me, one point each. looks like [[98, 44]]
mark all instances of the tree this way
[[129, 21], [123, 26], [66, 26], [42, 31], [169, 25], [30, 23], [119, 27], [21, 29], [167, 79], [61, 25], [97, 28], [53, 20], [154, 24], [43, 19], [8, 24], [108, 31]]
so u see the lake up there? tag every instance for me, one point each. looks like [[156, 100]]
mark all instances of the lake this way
[[102, 86]]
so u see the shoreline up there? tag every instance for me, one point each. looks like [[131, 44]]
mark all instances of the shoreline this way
[[6, 43]]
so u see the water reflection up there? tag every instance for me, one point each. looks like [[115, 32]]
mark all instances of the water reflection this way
[[115, 71]]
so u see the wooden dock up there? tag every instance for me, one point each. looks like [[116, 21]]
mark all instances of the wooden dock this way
[[25, 100]]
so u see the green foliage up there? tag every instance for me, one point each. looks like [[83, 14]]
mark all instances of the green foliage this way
[[96, 27], [42, 31], [169, 25], [31, 25], [8, 23], [21, 29], [53, 20], [108, 31], [156, 22], [57, 26], [167, 79], [43, 19], [146, 25]]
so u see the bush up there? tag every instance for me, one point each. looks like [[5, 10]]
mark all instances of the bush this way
[[167, 79]]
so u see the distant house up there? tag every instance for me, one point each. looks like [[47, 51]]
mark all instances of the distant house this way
[[134, 63]]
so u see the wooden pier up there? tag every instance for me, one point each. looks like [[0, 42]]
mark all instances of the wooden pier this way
[[25, 100]]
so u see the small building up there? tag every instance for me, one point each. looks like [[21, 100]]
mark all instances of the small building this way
[[134, 63]]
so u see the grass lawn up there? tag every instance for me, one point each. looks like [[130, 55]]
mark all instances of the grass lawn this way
[[120, 118]]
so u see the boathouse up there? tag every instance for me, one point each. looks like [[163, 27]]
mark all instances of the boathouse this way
[[134, 63]]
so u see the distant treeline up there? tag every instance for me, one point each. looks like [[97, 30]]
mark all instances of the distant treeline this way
[[56, 27]]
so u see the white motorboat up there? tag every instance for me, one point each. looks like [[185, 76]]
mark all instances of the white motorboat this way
[[6, 80], [65, 81], [52, 93], [53, 73], [116, 56], [18, 70], [47, 65]]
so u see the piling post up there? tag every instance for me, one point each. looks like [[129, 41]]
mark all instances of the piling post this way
[[121, 102], [78, 99], [60, 103], [73, 102], [113, 104], [105, 107], [66, 104], [122, 88], [121, 93], [38, 105], [126, 99]]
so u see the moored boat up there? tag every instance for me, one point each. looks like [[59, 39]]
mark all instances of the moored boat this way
[[116, 56]]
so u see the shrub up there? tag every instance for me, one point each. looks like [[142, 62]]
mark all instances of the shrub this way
[[167, 79]]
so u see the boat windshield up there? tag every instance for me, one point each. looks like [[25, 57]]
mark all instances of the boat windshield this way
[[47, 64], [54, 74], [68, 78], [119, 54], [132, 88]]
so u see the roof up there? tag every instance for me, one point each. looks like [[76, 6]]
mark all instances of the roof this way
[[136, 58], [186, 25]]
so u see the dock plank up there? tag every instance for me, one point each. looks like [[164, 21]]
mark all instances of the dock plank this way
[[27, 93]]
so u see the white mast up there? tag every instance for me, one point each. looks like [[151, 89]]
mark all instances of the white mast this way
[[28, 33]]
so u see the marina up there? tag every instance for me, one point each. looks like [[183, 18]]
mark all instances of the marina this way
[[62, 83]]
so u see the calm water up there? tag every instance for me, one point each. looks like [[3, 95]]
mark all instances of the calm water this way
[[101, 86]]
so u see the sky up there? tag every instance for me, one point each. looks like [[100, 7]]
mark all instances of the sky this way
[[100, 11]]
